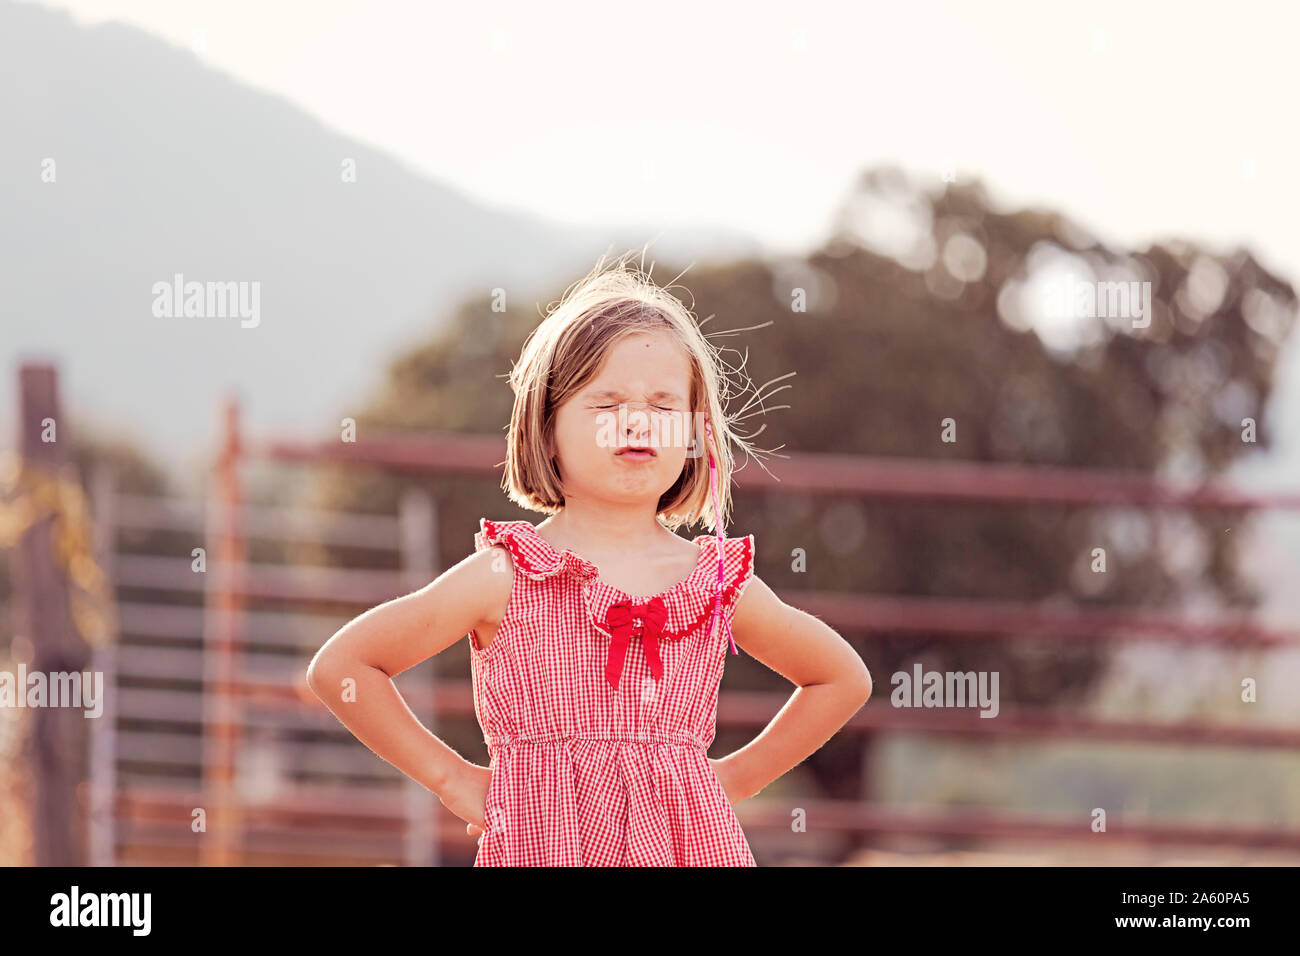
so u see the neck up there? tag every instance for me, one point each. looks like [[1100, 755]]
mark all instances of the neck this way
[[616, 528]]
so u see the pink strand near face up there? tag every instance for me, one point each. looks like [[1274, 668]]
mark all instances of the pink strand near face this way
[[717, 518]]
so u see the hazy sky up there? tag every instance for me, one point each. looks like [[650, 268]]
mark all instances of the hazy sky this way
[[1142, 120]]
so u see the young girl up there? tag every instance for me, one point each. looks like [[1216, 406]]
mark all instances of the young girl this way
[[598, 637]]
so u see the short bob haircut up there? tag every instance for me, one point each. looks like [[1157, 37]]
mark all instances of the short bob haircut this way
[[568, 349]]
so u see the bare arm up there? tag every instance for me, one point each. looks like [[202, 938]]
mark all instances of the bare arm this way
[[352, 673], [833, 685]]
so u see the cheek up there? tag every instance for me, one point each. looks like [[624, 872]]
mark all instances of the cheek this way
[[673, 431], [673, 461], [577, 434]]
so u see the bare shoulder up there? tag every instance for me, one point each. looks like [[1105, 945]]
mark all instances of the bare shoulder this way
[[490, 572], [401, 632], [756, 600]]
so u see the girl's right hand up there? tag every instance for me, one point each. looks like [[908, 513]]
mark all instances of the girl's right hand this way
[[465, 794]]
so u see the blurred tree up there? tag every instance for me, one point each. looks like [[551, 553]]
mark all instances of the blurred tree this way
[[133, 472], [924, 306]]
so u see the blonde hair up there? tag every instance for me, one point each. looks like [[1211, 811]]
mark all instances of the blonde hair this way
[[566, 351]]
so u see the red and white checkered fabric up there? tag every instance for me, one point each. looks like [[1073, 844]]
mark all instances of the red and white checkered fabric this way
[[589, 774]]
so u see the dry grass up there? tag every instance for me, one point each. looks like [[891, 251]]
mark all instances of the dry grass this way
[[15, 817], [1076, 855]]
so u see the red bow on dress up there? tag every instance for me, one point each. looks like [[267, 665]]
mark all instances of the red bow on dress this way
[[653, 615]]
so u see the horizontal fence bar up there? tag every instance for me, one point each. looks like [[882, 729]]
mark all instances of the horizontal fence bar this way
[[174, 621], [929, 479], [266, 842], [271, 581], [260, 669], [346, 528], [158, 513], [1020, 620], [146, 800], [187, 707], [918, 479], [1034, 724], [292, 757], [270, 706], [146, 854], [131, 855], [741, 708], [183, 663], [185, 623], [168, 820], [852, 816], [429, 453]]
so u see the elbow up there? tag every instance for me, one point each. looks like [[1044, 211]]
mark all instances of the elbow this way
[[866, 685], [321, 674]]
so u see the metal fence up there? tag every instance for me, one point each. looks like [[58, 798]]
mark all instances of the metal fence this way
[[213, 751], [864, 614]]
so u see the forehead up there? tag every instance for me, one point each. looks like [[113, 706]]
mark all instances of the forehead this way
[[655, 366]]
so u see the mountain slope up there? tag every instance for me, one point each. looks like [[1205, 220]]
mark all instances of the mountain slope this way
[[164, 166]]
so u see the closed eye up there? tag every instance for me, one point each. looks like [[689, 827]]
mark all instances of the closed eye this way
[[656, 407]]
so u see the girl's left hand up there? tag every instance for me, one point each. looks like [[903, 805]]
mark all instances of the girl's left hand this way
[[721, 771]]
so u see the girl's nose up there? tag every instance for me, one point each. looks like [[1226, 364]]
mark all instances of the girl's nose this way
[[638, 427]]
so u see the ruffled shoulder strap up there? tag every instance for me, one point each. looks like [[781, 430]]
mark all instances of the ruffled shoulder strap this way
[[726, 572], [737, 561], [532, 554]]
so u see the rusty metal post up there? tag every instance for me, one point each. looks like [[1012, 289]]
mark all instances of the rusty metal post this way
[[419, 563], [222, 641]]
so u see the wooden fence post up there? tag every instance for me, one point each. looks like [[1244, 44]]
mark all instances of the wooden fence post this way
[[103, 734], [57, 742]]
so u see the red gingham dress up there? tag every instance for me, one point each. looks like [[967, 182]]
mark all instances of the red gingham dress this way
[[593, 764]]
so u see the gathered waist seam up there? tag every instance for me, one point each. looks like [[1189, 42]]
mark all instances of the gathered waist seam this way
[[669, 739]]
